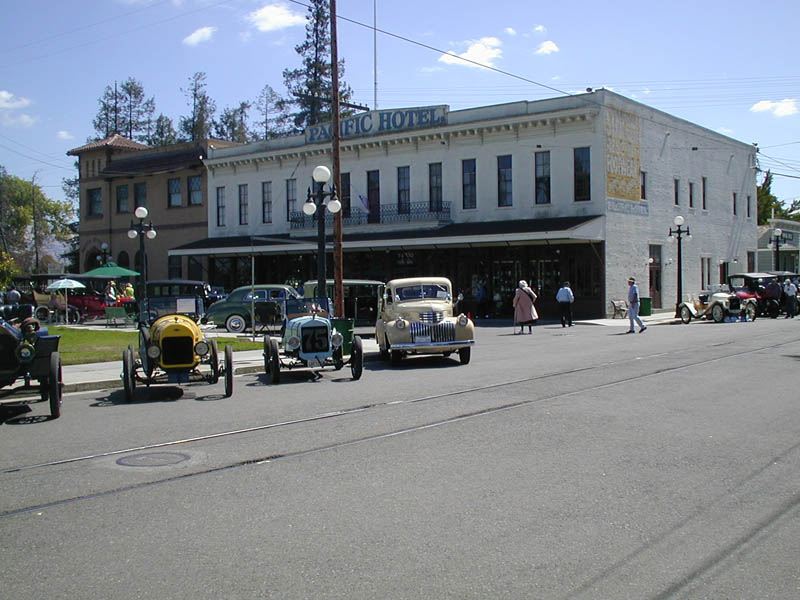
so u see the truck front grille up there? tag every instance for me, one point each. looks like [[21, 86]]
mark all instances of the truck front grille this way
[[431, 317], [441, 332]]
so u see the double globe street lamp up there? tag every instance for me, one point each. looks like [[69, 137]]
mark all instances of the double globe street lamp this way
[[777, 238], [315, 201], [142, 230], [674, 234]]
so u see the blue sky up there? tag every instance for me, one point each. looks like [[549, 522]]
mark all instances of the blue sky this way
[[729, 66]]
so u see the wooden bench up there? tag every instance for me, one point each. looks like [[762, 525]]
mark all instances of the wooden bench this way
[[620, 307], [116, 315]]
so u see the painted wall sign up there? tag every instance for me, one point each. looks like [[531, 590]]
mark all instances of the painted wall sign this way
[[381, 121]]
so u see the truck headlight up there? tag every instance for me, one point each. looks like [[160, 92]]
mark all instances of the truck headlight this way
[[153, 351], [293, 343], [463, 320], [337, 339], [201, 348], [400, 324]]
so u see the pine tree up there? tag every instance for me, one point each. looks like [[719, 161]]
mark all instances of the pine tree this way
[[197, 126], [274, 118], [136, 110], [163, 132], [310, 86], [232, 124]]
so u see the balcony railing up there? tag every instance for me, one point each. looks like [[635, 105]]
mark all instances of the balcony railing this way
[[414, 212]]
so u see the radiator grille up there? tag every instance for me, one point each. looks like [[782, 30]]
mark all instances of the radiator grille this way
[[177, 351], [431, 317], [314, 339], [441, 332], [735, 303]]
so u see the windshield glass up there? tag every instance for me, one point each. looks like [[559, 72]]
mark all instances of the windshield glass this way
[[426, 291], [191, 306]]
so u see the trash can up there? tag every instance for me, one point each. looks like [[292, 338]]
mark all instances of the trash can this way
[[645, 306], [346, 327]]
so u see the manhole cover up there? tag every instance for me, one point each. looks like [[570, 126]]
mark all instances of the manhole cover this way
[[153, 459]]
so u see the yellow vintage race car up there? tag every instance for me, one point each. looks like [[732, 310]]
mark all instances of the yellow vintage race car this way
[[172, 348]]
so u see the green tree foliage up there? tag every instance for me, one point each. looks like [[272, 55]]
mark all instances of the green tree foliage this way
[[232, 124], [197, 126], [163, 132], [310, 86], [71, 256], [769, 206], [7, 269], [125, 109], [274, 120], [30, 222]]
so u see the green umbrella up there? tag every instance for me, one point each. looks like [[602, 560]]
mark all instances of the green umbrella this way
[[110, 270]]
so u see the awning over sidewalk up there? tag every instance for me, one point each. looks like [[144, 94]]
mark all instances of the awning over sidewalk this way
[[458, 235]]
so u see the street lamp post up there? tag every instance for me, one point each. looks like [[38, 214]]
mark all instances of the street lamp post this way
[[315, 201], [142, 229], [678, 234], [777, 239], [104, 250]]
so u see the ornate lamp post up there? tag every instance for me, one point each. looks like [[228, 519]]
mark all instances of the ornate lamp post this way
[[678, 233], [321, 175], [142, 229], [777, 238], [104, 258]]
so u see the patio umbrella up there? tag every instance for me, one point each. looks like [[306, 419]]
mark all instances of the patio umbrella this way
[[66, 285], [110, 270]]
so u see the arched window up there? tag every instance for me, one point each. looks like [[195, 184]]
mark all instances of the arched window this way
[[123, 260], [94, 259]]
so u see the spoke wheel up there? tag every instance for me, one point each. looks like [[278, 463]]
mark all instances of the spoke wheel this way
[[54, 384], [750, 312], [718, 313], [357, 358], [274, 367], [214, 362], [128, 375], [686, 314], [228, 371]]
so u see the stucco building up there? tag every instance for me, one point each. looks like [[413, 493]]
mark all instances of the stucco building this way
[[117, 175], [582, 188]]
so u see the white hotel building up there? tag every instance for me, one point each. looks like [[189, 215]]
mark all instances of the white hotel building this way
[[582, 188]]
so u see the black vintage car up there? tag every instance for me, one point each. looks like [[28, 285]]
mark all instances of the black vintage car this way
[[27, 352]]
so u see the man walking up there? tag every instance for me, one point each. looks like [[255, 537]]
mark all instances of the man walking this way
[[565, 298], [790, 289], [633, 306]]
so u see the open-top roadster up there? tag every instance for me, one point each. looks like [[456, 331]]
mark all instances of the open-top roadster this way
[[718, 304], [28, 352], [172, 348], [311, 339]]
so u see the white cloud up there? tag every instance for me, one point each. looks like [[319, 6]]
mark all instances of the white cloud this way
[[725, 130], [547, 47], [273, 17], [21, 120], [540, 29], [511, 31], [10, 101], [199, 36], [782, 108], [483, 51], [65, 135]]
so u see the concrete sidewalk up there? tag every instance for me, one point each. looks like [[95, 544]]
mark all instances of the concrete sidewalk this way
[[105, 375]]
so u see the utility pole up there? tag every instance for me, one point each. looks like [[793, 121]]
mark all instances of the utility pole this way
[[35, 225], [338, 269]]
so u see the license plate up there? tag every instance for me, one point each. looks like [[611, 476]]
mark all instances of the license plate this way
[[424, 339]]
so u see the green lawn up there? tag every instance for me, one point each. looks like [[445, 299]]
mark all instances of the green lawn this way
[[80, 346]]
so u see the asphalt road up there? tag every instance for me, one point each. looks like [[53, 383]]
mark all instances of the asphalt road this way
[[571, 463]]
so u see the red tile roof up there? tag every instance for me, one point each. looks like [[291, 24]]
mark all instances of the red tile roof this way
[[113, 141]]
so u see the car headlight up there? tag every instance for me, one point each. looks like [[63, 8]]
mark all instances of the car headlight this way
[[463, 320], [400, 324], [201, 348], [153, 351], [337, 339], [293, 343], [25, 352]]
